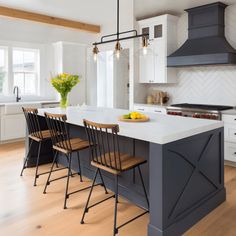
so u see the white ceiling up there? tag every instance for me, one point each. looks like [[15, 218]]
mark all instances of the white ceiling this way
[[147, 8]]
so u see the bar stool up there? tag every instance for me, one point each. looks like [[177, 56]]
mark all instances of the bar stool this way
[[35, 135], [62, 143], [106, 156]]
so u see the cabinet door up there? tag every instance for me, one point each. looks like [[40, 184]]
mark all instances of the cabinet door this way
[[146, 66], [230, 151], [159, 48], [12, 127]]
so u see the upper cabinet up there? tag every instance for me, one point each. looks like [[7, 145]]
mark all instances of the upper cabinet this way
[[162, 41]]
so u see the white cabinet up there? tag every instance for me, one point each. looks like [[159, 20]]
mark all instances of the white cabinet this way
[[162, 42], [146, 68], [12, 120], [230, 137], [12, 127], [149, 108]]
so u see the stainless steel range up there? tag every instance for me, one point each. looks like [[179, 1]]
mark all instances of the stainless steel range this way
[[212, 112]]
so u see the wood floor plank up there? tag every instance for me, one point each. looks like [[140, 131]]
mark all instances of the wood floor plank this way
[[25, 211]]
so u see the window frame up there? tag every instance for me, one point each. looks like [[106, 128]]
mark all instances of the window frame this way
[[6, 66], [36, 72], [10, 72]]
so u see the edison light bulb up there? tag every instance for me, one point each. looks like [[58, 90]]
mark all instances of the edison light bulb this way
[[117, 50], [144, 50]]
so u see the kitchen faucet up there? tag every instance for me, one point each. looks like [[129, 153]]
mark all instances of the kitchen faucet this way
[[16, 89]]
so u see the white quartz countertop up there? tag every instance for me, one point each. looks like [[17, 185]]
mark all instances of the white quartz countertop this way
[[29, 102], [160, 129]]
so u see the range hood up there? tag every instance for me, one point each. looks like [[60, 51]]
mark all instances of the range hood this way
[[206, 43]]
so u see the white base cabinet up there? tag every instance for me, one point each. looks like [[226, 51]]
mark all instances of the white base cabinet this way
[[12, 127], [149, 108], [12, 119]]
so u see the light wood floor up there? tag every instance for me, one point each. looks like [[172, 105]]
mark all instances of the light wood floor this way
[[25, 211]]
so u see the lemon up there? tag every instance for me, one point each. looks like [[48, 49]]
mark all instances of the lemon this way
[[136, 115], [127, 116]]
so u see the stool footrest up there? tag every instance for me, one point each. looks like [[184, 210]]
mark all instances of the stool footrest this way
[[129, 221], [95, 204], [44, 173], [62, 177], [77, 191]]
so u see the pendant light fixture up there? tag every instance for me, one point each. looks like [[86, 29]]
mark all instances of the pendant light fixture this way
[[144, 45], [117, 49], [130, 34], [95, 52]]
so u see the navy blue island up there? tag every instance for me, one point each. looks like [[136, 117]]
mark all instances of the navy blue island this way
[[185, 171]]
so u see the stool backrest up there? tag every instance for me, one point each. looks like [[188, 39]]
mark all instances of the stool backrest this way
[[32, 122], [58, 130], [104, 144]]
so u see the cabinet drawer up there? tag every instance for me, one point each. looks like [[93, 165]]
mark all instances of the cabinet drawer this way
[[229, 119], [141, 108], [230, 151], [158, 110], [230, 132]]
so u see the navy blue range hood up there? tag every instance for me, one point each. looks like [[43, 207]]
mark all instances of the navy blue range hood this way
[[206, 43]]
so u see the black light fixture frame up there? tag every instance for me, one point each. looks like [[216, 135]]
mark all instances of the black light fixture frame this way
[[118, 33]]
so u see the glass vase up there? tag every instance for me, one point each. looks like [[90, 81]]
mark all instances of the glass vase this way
[[64, 101]]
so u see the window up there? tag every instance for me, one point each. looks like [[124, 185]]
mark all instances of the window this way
[[3, 70], [157, 31], [19, 67], [25, 70]]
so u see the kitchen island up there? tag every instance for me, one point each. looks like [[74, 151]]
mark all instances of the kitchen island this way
[[185, 171]]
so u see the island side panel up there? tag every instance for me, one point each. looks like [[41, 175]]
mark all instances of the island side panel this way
[[186, 182]]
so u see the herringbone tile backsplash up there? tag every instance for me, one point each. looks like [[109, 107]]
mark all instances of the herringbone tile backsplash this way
[[205, 84]]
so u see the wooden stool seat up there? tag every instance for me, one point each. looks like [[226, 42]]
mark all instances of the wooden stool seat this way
[[76, 144], [127, 162], [37, 135]]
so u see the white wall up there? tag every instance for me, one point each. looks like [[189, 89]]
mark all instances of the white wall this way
[[71, 58], [205, 84]]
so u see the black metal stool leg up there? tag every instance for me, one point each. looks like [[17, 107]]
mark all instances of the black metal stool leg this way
[[90, 193], [37, 164], [144, 189], [26, 159], [67, 182], [49, 175], [80, 170], [71, 174], [57, 166], [116, 202], [103, 183]]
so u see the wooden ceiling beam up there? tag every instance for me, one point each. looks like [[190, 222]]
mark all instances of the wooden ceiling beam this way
[[26, 15]]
